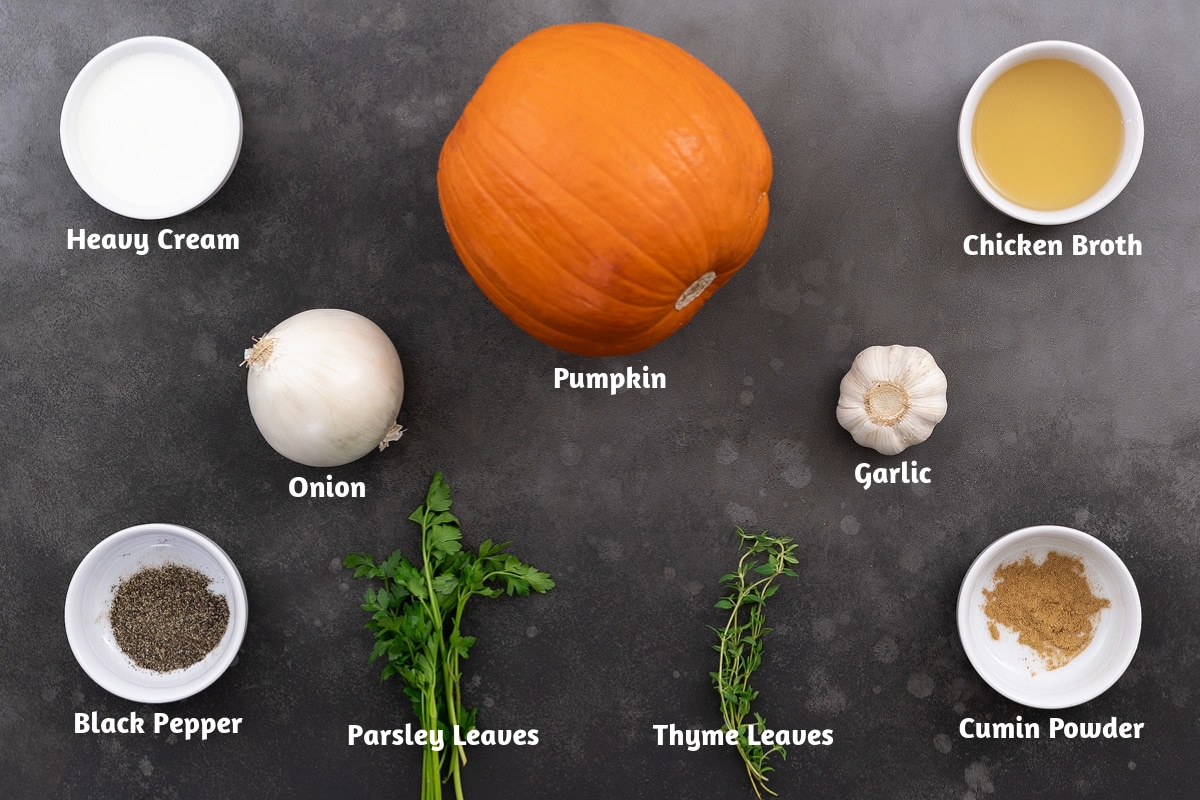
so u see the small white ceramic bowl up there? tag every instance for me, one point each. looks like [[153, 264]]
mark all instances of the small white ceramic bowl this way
[[1127, 102], [216, 142], [1016, 671], [90, 597]]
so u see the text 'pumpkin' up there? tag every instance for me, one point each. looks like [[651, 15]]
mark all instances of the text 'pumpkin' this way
[[601, 185]]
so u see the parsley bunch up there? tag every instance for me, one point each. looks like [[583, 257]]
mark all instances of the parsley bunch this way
[[416, 617], [741, 642]]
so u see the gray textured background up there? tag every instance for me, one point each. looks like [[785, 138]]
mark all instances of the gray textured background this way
[[1073, 397]]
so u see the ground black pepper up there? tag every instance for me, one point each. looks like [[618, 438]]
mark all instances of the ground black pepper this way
[[166, 618]]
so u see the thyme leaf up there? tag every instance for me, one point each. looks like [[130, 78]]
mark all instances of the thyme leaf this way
[[740, 643]]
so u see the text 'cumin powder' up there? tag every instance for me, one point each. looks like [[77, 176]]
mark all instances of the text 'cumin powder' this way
[[1050, 606]]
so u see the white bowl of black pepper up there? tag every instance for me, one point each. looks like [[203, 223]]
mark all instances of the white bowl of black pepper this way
[[156, 613], [1049, 616]]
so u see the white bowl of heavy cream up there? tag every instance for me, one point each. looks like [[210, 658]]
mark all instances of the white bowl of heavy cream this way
[[151, 128]]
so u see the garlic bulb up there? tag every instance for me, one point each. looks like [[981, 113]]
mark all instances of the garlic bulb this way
[[325, 387], [892, 397]]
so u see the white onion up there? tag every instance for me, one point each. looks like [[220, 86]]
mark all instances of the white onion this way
[[325, 387]]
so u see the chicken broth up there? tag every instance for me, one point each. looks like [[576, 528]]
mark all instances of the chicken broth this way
[[1048, 134]]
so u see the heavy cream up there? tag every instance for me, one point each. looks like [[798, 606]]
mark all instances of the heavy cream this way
[[155, 130]]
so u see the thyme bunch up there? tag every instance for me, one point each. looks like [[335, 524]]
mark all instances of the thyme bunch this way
[[740, 643]]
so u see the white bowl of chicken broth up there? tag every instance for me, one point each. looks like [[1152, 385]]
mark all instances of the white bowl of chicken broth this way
[[1051, 132]]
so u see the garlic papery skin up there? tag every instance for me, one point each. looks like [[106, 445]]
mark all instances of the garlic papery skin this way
[[892, 397], [325, 387]]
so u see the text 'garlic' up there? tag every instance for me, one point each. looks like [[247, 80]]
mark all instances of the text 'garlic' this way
[[325, 387], [892, 397]]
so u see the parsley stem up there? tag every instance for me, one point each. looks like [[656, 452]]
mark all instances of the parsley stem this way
[[417, 621]]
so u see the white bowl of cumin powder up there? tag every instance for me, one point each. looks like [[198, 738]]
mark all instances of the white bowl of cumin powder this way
[[1049, 616], [156, 613]]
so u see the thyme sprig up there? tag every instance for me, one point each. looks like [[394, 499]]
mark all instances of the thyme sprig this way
[[740, 644], [416, 617]]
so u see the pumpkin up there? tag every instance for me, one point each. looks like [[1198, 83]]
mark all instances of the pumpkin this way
[[601, 185]]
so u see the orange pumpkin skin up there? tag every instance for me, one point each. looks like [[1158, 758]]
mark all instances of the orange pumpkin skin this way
[[598, 176]]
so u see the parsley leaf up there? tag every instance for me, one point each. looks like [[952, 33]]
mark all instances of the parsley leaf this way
[[416, 617]]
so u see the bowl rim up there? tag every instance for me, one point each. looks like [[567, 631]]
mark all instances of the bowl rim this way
[[1127, 102], [68, 125], [1131, 610], [76, 624]]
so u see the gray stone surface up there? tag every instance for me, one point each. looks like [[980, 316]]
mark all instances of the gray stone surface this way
[[1073, 397]]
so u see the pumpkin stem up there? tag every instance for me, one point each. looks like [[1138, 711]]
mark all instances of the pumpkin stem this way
[[695, 290]]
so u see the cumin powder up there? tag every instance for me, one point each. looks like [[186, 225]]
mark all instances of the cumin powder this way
[[166, 618], [1050, 606]]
